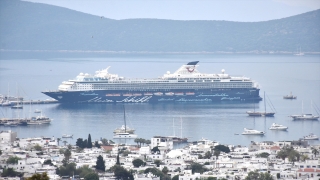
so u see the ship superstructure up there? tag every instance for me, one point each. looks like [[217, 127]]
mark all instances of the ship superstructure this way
[[187, 84]]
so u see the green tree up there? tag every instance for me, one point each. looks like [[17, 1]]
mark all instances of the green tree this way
[[37, 176], [263, 155], [282, 154], [91, 176], [176, 177], [125, 153], [13, 160], [79, 142], [155, 150], [294, 156], [165, 170], [118, 159], [155, 172], [304, 157], [137, 162], [66, 170], [83, 171], [157, 162], [138, 141], [85, 144], [315, 152], [255, 175], [100, 164], [105, 142], [89, 145], [121, 173], [67, 155], [37, 147], [216, 153], [64, 142], [198, 168], [58, 140], [148, 142], [48, 162], [207, 155], [96, 144], [222, 148], [10, 172]]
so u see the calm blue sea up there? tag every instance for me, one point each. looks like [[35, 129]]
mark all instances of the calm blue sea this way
[[277, 75]]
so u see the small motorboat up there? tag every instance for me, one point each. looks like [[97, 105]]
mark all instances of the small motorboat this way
[[275, 126], [311, 137], [67, 136], [37, 111], [252, 132]]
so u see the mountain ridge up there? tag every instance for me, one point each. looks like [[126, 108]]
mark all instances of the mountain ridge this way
[[36, 26]]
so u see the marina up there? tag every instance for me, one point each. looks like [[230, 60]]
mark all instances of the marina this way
[[206, 119]]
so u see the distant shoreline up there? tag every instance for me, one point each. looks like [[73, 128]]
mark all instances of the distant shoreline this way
[[158, 52]]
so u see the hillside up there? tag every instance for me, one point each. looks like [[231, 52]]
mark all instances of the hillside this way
[[35, 26]]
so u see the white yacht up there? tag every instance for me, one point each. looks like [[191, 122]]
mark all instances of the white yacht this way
[[123, 129], [275, 126], [305, 117], [252, 132], [124, 136], [311, 137], [67, 136], [37, 111]]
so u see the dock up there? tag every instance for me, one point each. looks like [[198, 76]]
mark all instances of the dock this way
[[47, 101]]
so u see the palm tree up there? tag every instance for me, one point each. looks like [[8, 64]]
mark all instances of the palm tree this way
[[315, 152], [64, 142], [58, 139]]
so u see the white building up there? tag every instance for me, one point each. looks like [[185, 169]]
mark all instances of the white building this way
[[8, 136]]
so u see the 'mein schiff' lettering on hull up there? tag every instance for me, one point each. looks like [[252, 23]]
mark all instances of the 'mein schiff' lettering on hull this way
[[186, 84]]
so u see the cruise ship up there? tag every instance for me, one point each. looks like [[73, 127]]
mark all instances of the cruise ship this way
[[187, 84]]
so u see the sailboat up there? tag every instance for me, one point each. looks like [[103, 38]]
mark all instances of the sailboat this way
[[17, 106], [125, 134], [300, 53], [265, 113], [269, 114], [175, 138], [305, 116]]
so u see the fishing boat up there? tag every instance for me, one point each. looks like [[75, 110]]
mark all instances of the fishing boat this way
[[275, 126], [290, 96], [39, 120], [252, 132]]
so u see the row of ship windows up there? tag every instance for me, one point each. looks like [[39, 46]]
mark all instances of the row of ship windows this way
[[166, 87], [160, 84]]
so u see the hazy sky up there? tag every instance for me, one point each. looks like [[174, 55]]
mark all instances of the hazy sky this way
[[230, 10]]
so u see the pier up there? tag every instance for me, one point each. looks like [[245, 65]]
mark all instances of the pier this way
[[47, 101]]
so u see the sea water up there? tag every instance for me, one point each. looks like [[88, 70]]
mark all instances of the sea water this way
[[277, 75]]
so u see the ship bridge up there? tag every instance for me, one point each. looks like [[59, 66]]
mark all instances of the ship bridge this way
[[190, 71]]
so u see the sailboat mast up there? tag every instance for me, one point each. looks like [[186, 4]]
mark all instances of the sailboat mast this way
[[124, 117], [181, 127], [264, 96], [174, 132]]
